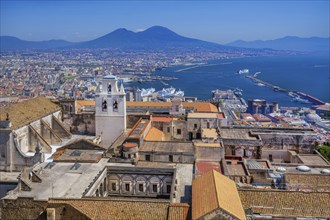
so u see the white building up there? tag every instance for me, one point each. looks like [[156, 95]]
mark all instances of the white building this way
[[110, 116]]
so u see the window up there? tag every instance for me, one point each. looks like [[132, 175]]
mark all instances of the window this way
[[170, 158], [141, 187], [113, 187], [154, 188], [208, 124], [127, 187], [195, 126], [115, 106], [168, 188], [168, 129], [148, 157], [104, 105], [178, 131]]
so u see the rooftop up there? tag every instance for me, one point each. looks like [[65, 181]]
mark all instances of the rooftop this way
[[203, 167], [209, 133], [24, 112], [154, 134], [202, 115], [286, 203], [167, 146], [212, 191], [118, 209], [55, 177], [242, 134], [197, 106], [312, 159], [205, 144]]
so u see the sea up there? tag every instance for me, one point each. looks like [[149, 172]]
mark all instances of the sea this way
[[308, 73]]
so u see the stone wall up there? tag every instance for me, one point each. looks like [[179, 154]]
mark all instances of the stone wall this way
[[23, 208]]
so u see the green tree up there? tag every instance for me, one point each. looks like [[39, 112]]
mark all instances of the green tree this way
[[325, 151]]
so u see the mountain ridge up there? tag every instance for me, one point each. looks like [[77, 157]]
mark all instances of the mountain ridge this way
[[305, 44], [162, 38]]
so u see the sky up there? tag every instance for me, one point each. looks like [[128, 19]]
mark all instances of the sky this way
[[215, 21]]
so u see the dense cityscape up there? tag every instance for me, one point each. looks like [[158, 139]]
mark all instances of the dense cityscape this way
[[86, 134]]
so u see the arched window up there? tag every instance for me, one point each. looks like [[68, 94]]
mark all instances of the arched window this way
[[115, 106], [109, 88], [104, 105]]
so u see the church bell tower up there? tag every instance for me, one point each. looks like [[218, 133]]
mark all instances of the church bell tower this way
[[110, 116]]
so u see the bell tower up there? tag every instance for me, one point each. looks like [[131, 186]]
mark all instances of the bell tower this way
[[110, 115]]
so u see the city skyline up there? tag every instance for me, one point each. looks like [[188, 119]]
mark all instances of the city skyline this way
[[219, 22]]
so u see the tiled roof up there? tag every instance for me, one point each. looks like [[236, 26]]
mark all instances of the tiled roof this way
[[28, 111], [119, 209], [154, 134], [308, 182], [198, 106], [213, 191], [162, 119], [81, 103], [202, 115], [286, 203]]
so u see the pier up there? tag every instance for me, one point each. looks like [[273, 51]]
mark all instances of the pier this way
[[275, 88], [311, 99]]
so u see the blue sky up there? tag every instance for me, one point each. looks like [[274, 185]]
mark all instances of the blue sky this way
[[216, 21]]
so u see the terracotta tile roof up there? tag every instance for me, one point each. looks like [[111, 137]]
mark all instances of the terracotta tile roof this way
[[308, 182], [80, 103], [198, 106], [286, 203], [120, 209], [154, 134], [213, 191], [202, 115], [161, 119], [178, 211], [28, 111]]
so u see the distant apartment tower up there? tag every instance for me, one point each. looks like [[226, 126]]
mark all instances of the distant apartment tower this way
[[110, 116]]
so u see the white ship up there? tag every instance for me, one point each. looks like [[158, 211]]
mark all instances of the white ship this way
[[147, 92], [243, 71], [166, 92], [298, 99], [179, 93]]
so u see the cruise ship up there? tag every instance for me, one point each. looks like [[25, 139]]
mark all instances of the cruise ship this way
[[147, 92]]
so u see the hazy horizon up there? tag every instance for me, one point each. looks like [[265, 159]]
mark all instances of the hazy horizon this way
[[215, 21]]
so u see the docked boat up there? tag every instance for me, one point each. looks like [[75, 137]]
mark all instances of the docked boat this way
[[243, 71], [260, 84], [167, 92], [179, 93], [147, 92], [298, 99]]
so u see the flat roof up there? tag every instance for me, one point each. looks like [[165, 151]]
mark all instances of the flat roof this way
[[242, 134], [167, 146], [203, 167], [209, 133], [61, 180], [202, 115], [312, 159], [202, 144]]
